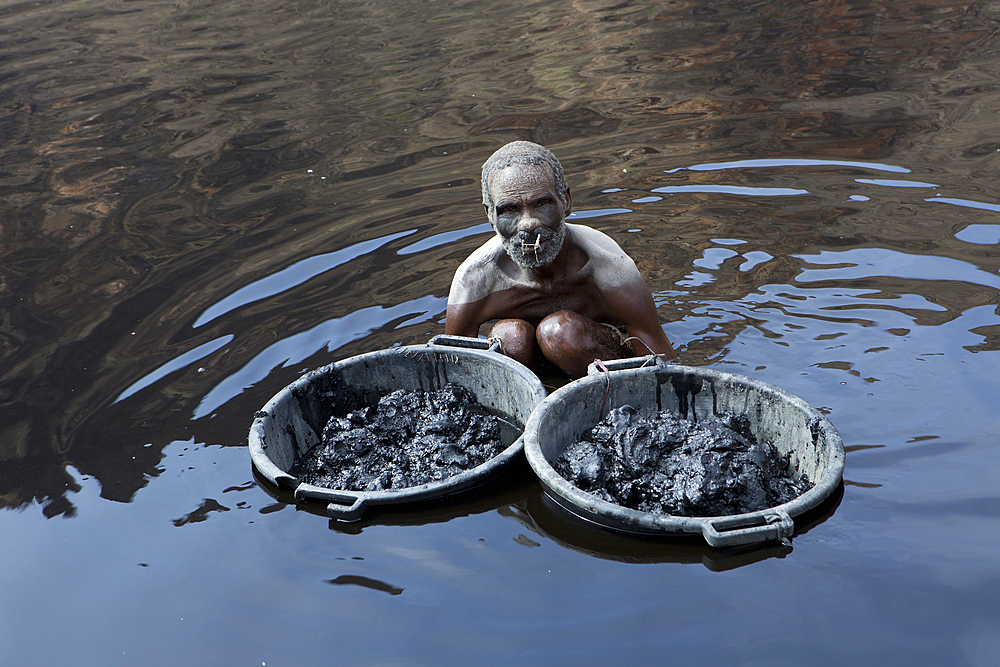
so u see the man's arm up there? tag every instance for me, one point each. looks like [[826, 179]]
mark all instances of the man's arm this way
[[635, 308], [626, 297], [465, 311], [647, 329], [462, 320]]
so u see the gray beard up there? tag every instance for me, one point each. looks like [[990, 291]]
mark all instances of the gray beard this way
[[526, 257]]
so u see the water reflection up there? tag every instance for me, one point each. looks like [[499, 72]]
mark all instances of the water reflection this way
[[894, 184], [365, 582], [731, 190], [517, 495], [181, 362], [296, 274], [966, 202], [980, 234], [788, 162], [445, 238], [509, 488], [331, 335], [869, 262], [544, 517], [200, 201]]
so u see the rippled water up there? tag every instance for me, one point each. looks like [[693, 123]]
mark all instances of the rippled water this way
[[203, 199]]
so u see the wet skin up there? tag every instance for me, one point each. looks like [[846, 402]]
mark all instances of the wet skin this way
[[551, 285]]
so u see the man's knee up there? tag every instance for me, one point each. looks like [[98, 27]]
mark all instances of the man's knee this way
[[567, 339], [563, 328], [572, 341], [517, 338]]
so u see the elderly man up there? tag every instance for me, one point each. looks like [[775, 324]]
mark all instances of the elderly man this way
[[561, 292]]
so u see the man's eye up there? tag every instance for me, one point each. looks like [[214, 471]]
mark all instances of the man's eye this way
[[506, 210]]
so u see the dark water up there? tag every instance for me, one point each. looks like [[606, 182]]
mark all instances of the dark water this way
[[203, 199]]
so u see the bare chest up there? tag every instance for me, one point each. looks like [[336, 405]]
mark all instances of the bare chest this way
[[535, 302]]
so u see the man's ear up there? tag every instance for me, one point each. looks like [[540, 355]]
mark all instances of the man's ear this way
[[569, 202], [488, 216]]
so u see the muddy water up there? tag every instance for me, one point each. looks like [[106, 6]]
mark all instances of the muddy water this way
[[201, 200]]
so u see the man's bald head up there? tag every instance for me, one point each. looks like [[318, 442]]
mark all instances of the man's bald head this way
[[523, 153]]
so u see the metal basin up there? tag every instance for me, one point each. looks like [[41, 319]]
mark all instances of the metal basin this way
[[650, 386], [291, 422]]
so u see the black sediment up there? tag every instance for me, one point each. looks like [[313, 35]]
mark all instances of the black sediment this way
[[407, 439], [670, 465]]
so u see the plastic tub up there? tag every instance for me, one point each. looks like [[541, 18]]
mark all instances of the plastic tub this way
[[650, 386], [291, 422]]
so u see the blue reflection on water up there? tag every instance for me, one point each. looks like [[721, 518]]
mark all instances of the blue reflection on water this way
[[331, 334], [889, 183], [868, 262], [754, 258], [713, 258], [183, 361], [696, 279], [294, 275], [980, 234], [445, 238], [789, 162], [597, 213], [968, 203], [732, 190]]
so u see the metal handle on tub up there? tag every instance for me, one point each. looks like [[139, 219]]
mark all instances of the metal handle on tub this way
[[466, 342], [757, 527], [350, 512], [626, 364], [342, 505]]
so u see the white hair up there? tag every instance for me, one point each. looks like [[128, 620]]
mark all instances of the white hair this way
[[523, 152]]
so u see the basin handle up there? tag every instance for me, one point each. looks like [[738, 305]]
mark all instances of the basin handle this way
[[748, 529], [466, 342], [342, 505], [625, 364], [345, 512]]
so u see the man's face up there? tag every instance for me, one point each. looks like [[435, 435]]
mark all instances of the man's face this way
[[527, 214]]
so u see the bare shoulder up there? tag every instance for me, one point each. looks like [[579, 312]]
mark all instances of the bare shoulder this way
[[588, 238], [610, 265], [477, 277]]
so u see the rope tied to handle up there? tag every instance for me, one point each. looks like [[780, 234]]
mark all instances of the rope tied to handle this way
[[652, 355], [496, 340]]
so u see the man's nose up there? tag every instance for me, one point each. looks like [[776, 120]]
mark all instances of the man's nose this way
[[529, 234], [528, 224]]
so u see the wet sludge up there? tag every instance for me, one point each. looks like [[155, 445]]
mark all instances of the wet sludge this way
[[408, 439], [669, 465]]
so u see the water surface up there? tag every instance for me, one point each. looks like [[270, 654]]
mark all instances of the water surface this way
[[202, 200]]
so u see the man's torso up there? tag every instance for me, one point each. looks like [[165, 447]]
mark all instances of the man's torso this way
[[597, 270]]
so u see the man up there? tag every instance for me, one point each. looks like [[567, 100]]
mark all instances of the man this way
[[561, 292]]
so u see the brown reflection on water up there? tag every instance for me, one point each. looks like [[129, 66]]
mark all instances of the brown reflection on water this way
[[160, 157], [201, 199]]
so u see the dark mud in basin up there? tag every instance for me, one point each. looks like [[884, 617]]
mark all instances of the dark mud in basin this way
[[669, 465], [407, 439]]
